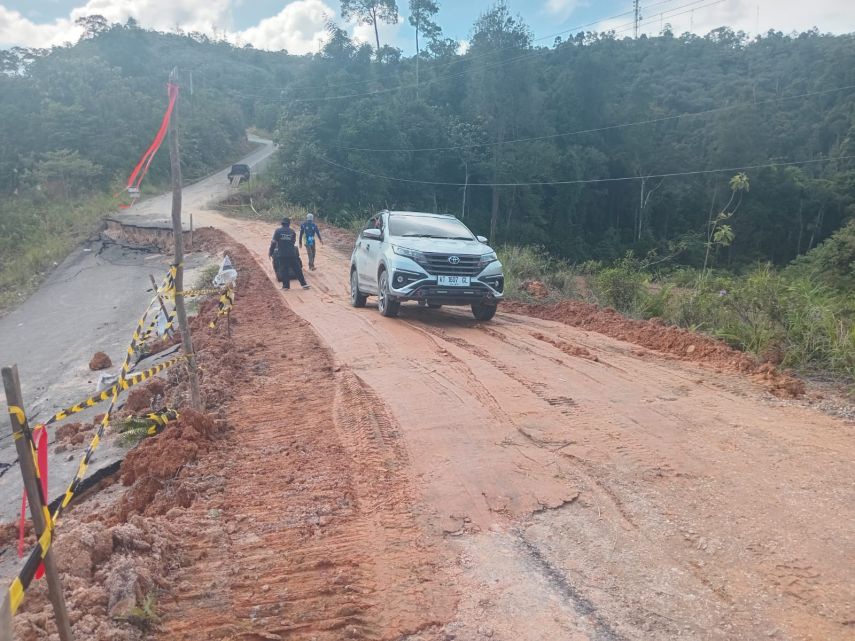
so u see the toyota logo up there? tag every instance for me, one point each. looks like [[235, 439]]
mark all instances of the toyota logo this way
[[454, 259]]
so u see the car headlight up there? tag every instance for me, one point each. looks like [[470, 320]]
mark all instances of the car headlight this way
[[417, 256], [486, 259]]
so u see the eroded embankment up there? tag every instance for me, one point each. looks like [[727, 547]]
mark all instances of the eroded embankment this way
[[283, 512], [665, 339]]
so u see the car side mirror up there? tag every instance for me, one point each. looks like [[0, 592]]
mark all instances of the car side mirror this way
[[372, 234], [482, 239]]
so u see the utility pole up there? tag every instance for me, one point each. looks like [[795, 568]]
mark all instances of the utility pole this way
[[637, 10], [178, 260]]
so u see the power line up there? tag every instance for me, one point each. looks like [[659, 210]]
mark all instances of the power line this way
[[704, 4], [625, 125], [587, 181]]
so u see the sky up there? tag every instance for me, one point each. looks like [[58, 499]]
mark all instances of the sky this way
[[298, 25]]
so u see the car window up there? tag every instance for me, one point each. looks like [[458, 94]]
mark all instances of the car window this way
[[375, 222], [428, 227]]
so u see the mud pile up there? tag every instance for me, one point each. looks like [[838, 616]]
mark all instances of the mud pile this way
[[110, 577], [656, 335]]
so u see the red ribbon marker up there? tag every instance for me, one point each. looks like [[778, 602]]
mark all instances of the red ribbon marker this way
[[40, 437], [144, 163]]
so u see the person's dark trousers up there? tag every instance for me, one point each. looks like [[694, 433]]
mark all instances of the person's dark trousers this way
[[281, 269], [292, 264], [310, 250]]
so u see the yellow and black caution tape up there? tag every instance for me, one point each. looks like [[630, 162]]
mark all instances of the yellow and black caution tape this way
[[152, 423], [160, 419], [122, 385], [21, 582], [15, 594], [170, 320], [189, 293], [224, 307]]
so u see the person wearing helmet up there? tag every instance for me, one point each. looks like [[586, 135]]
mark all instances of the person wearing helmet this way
[[309, 230], [286, 258]]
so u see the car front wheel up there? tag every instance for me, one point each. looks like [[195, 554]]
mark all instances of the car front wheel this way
[[387, 305], [483, 311]]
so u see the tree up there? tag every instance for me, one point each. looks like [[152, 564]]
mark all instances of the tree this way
[[503, 86], [370, 12], [719, 233], [92, 25], [421, 17], [64, 174]]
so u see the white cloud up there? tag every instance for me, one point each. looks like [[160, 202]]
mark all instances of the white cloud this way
[[462, 47], [188, 15], [781, 15], [16, 30], [562, 9], [298, 28]]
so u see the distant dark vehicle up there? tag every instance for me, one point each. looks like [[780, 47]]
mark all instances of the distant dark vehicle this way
[[239, 173]]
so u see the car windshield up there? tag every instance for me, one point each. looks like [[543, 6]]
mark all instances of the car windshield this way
[[428, 227]]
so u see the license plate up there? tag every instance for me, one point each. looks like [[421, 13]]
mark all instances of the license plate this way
[[453, 281]]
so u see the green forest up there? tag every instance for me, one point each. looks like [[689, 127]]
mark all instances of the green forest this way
[[704, 155]]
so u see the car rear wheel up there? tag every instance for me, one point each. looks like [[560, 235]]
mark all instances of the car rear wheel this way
[[483, 311], [357, 298], [387, 305]]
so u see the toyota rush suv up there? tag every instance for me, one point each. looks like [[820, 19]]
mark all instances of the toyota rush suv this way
[[430, 258]]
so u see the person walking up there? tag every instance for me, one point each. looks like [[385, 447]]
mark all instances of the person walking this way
[[286, 259], [309, 230]]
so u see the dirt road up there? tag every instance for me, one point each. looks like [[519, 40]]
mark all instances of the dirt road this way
[[564, 487]]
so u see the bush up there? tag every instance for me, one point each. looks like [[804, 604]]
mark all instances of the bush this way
[[621, 286]]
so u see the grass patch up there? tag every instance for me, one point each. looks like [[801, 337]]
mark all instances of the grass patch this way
[[37, 234], [786, 317]]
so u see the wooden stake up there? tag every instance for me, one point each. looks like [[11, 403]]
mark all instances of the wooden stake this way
[[178, 260], [12, 385], [159, 297]]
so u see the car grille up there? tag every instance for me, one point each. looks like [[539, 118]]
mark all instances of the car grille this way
[[439, 265]]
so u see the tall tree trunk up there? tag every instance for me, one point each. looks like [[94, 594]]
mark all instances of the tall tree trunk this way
[[511, 210], [801, 229], [376, 32], [465, 186], [417, 55], [497, 158]]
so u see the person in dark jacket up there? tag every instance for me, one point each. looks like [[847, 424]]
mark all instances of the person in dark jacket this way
[[286, 259], [309, 230]]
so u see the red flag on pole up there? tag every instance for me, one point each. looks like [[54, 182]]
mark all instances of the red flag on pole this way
[[144, 163]]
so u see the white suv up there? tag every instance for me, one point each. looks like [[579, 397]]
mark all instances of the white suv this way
[[430, 258]]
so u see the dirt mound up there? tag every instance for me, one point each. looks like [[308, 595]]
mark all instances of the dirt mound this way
[[535, 288], [567, 348], [100, 361], [780, 384], [153, 468], [655, 335], [110, 576], [146, 397]]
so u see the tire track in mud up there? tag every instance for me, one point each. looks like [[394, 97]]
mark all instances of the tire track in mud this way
[[565, 404], [307, 529], [587, 470]]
